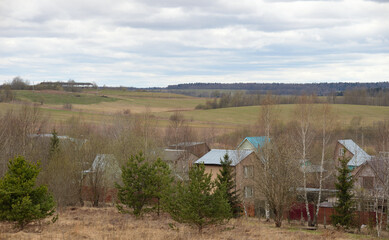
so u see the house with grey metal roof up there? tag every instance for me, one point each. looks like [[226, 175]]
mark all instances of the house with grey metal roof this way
[[350, 149]]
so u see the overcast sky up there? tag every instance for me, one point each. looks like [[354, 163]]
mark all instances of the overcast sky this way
[[146, 43]]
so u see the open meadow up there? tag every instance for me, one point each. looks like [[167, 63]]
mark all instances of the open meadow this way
[[107, 223], [98, 107]]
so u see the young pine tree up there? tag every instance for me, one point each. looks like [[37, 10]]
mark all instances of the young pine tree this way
[[138, 185], [162, 182], [225, 182], [54, 144], [197, 202], [343, 209], [20, 200]]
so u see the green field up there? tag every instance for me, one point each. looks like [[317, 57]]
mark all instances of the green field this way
[[59, 97], [139, 94], [94, 108], [249, 115]]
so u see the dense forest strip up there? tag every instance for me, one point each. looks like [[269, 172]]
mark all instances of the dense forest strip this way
[[320, 89]]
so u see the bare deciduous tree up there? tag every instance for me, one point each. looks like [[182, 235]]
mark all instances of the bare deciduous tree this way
[[382, 136], [178, 130], [147, 135], [380, 190], [16, 134], [267, 119], [277, 179]]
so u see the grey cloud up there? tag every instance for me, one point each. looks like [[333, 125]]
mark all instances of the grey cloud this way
[[149, 41]]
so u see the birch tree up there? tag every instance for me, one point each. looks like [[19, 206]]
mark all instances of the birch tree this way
[[303, 141], [326, 121], [267, 119]]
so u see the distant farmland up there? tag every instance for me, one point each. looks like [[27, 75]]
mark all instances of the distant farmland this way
[[60, 97], [99, 106]]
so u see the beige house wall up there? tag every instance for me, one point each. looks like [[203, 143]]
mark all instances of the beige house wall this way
[[246, 145], [240, 180], [213, 170]]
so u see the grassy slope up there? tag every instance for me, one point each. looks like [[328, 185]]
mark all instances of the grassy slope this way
[[249, 115], [59, 97], [168, 101], [95, 108], [141, 94]]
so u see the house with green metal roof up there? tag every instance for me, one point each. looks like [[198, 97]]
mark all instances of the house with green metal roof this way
[[253, 143]]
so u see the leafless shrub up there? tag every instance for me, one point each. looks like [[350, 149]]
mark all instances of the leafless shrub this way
[[17, 129], [68, 106]]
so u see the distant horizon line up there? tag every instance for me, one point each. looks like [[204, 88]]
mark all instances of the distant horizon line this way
[[197, 83]]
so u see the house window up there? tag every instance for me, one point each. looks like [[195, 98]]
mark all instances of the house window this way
[[248, 171], [248, 192], [341, 151], [369, 206], [368, 182]]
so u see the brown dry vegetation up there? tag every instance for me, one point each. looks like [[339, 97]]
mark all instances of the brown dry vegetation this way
[[107, 223]]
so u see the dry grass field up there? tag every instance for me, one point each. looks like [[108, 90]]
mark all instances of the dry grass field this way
[[107, 223]]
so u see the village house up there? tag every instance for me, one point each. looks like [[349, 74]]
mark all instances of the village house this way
[[179, 161], [243, 162], [350, 149], [370, 175], [98, 182], [252, 143], [371, 182]]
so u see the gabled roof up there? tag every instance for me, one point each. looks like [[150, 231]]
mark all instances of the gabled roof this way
[[216, 155], [102, 161], [186, 144], [257, 142], [359, 155], [380, 166]]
